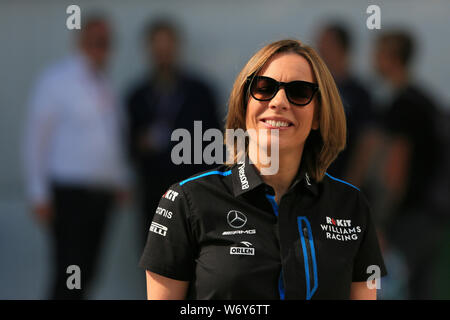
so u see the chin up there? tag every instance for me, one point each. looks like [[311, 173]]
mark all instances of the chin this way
[[283, 145]]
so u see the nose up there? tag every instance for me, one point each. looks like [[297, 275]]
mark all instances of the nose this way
[[280, 101]]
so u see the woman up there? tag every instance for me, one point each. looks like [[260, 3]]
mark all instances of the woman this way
[[234, 233]]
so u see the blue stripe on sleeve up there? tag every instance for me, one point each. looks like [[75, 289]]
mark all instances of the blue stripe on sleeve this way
[[222, 173]]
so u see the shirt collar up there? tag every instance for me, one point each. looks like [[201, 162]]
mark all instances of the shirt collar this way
[[84, 65], [304, 179], [246, 177]]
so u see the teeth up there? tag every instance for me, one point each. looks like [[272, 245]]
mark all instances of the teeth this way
[[274, 123]]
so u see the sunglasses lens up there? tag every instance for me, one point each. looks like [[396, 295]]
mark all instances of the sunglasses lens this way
[[263, 88], [300, 93]]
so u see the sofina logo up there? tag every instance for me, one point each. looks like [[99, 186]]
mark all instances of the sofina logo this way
[[340, 229], [164, 212]]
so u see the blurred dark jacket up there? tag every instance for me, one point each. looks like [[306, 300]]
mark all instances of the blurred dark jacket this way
[[412, 115], [154, 111], [359, 114]]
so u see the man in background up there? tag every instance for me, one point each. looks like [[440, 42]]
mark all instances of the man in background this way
[[166, 98], [73, 157], [409, 169], [334, 45]]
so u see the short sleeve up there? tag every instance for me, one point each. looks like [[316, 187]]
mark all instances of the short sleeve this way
[[169, 250], [369, 253]]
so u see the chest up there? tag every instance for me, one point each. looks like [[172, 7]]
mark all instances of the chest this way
[[242, 242], [86, 105]]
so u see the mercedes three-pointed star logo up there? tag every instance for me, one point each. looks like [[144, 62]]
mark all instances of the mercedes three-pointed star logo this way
[[236, 219]]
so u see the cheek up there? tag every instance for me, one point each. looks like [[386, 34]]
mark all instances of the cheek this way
[[306, 120], [248, 122], [251, 114]]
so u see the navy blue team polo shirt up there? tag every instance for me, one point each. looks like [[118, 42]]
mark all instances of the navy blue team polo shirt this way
[[222, 231]]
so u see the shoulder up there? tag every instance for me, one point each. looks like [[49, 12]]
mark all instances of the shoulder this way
[[339, 185], [418, 95], [343, 194], [68, 67], [53, 72], [51, 78], [201, 187], [138, 88], [193, 80], [206, 178], [412, 98]]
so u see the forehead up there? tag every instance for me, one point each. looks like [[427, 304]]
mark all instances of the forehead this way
[[287, 67]]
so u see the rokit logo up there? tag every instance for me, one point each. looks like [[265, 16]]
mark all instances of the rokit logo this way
[[158, 229], [170, 195], [340, 229], [164, 212], [246, 250]]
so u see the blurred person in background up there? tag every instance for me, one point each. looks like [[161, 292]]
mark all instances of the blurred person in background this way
[[74, 163], [168, 97], [410, 164], [335, 44]]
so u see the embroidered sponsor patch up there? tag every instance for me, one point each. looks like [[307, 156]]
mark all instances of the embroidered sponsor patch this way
[[340, 229]]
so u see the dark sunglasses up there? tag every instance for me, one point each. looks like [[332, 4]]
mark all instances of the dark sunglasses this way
[[299, 93]]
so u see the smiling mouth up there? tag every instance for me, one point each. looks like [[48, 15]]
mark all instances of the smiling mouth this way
[[276, 123]]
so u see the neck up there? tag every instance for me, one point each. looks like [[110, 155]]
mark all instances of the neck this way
[[164, 79], [289, 163], [399, 77], [165, 73], [93, 67]]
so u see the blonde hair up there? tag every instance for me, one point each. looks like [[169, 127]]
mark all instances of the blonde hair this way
[[323, 145]]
